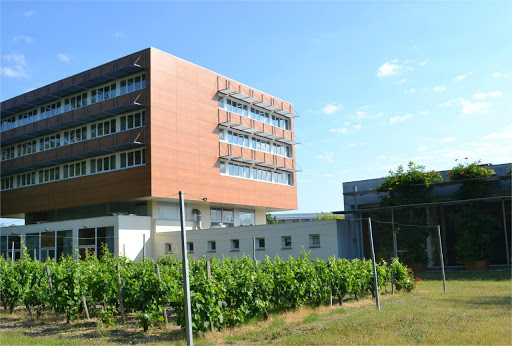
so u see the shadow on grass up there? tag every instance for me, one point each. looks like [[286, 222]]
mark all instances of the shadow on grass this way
[[490, 275]]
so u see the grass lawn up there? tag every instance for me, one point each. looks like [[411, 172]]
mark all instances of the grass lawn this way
[[477, 309]]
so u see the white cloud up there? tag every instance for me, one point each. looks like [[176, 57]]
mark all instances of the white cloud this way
[[342, 130], [357, 127], [362, 113], [423, 63], [388, 69], [332, 108], [326, 156], [496, 74], [329, 175], [14, 66], [399, 118], [119, 34], [383, 157], [422, 148], [412, 90], [463, 76], [481, 96], [467, 106], [437, 89], [425, 112], [505, 133], [24, 38], [64, 58], [445, 140], [29, 13]]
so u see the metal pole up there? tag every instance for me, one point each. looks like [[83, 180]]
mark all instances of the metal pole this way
[[12, 253], [186, 277], [395, 244], [124, 250], [143, 248], [441, 256], [505, 229], [254, 249], [374, 266]]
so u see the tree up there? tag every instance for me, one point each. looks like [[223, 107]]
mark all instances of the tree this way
[[270, 219]]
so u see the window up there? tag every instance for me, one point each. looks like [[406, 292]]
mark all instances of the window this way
[[27, 148], [49, 174], [49, 142], [26, 179], [314, 240], [255, 173], [73, 136], [260, 243], [8, 124], [74, 170], [104, 128], [212, 246], [92, 241], [190, 247], [286, 242], [107, 163], [246, 217], [8, 153], [7, 183], [235, 244], [133, 120], [132, 84], [133, 158], [222, 217], [237, 107], [168, 248]]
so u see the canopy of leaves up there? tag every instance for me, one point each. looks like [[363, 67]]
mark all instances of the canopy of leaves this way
[[408, 186], [465, 171]]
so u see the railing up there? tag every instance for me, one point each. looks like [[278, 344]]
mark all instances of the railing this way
[[248, 155], [75, 151], [74, 117]]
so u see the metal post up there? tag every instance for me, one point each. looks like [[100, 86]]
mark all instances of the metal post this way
[[12, 252], [124, 250], [505, 229], [166, 321], [441, 256], [120, 294], [254, 249], [392, 277], [395, 244], [374, 266], [143, 248], [186, 277]]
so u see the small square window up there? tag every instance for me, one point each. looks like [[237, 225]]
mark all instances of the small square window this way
[[168, 248], [314, 240], [286, 242], [190, 247], [212, 246], [235, 244], [260, 243]]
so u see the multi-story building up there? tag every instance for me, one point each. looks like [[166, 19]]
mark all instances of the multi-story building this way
[[99, 157]]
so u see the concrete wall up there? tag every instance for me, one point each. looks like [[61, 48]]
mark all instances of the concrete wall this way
[[336, 239]]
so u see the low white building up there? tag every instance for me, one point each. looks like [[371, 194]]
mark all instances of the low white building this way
[[138, 236]]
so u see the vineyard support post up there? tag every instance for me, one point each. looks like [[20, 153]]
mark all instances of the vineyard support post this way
[[505, 230], [441, 256], [120, 293], [209, 276], [395, 244], [392, 276], [186, 277], [85, 308], [375, 282], [143, 248], [157, 269]]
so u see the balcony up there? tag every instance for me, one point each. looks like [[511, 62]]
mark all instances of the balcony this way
[[76, 117], [254, 97], [250, 156], [76, 151], [245, 124], [96, 76]]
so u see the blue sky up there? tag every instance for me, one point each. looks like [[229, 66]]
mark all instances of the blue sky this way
[[376, 84]]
